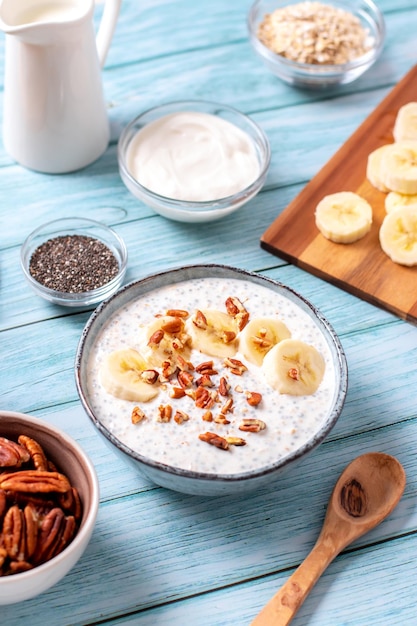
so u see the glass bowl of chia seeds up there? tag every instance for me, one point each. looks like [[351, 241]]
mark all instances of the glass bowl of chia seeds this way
[[74, 261], [316, 45]]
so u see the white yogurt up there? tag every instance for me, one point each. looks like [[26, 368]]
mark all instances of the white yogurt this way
[[193, 156], [290, 420]]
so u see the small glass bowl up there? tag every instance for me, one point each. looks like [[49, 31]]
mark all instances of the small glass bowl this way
[[316, 76], [75, 226], [189, 211]]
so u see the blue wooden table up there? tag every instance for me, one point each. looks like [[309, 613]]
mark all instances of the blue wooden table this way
[[158, 557]]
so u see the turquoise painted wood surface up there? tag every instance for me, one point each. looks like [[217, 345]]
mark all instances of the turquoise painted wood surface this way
[[157, 557]]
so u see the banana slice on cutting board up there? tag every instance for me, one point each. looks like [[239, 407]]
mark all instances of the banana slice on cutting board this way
[[405, 126], [121, 376], [213, 332], [373, 168], [259, 336], [343, 217], [395, 200], [294, 367], [398, 235], [399, 167], [164, 339]]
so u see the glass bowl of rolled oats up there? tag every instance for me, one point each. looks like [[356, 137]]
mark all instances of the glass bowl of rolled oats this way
[[314, 44], [49, 498]]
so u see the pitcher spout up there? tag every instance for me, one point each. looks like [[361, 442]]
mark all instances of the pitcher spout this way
[[18, 17]]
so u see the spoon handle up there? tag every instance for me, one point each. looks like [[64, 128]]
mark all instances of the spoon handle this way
[[282, 607]]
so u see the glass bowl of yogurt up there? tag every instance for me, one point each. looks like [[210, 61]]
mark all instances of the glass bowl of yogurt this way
[[193, 161], [216, 414]]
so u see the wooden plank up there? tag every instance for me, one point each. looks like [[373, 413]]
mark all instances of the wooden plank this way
[[360, 268]]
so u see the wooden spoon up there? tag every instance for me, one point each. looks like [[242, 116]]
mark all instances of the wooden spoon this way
[[367, 491]]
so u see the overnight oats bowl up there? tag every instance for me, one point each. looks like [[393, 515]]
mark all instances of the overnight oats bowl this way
[[193, 161], [210, 380]]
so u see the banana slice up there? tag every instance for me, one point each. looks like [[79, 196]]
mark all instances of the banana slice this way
[[259, 336], [213, 332], [294, 367], [164, 339], [399, 167], [343, 217], [121, 376], [398, 235], [373, 168], [405, 126], [395, 200]]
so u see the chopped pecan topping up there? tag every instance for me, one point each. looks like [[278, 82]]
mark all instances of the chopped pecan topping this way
[[207, 416], [184, 365], [204, 381], [180, 417], [253, 398], [251, 425], [177, 313], [176, 392], [185, 379], [224, 387], [164, 413], [235, 366], [221, 419], [156, 338], [168, 370], [203, 398], [214, 440], [235, 308], [138, 415], [206, 368], [200, 320], [149, 376], [236, 441], [227, 407], [173, 326]]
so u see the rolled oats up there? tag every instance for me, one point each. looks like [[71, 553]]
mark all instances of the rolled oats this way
[[314, 33]]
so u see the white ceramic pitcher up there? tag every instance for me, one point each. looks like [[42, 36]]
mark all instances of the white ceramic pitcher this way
[[55, 117]]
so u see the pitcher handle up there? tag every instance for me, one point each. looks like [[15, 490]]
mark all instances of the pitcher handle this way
[[106, 29]]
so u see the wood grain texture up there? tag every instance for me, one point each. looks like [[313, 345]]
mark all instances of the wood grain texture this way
[[361, 268], [158, 558]]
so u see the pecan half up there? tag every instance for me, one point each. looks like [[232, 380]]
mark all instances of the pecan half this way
[[34, 481], [156, 338], [35, 451], [224, 387], [12, 454], [204, 399], [177, 313], [13, 533], [200, 320], [236, 441]]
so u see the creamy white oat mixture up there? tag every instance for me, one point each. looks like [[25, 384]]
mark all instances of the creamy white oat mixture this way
[[290, 420]]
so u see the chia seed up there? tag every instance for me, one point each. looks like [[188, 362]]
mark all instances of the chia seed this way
[[73, 264]]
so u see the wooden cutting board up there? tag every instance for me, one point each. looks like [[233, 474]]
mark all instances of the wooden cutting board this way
[[360, 268]]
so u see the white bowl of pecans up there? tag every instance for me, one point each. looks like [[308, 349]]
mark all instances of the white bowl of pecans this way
[[210, 380], [314, 44], [49, 497]]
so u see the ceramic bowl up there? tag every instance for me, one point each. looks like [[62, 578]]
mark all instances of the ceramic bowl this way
[[169, 474], [188, 211], [72, 461], [75, 226], [316, 76]]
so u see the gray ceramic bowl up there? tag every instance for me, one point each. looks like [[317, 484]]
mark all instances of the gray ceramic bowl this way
[[203, 482], [72, 461]]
